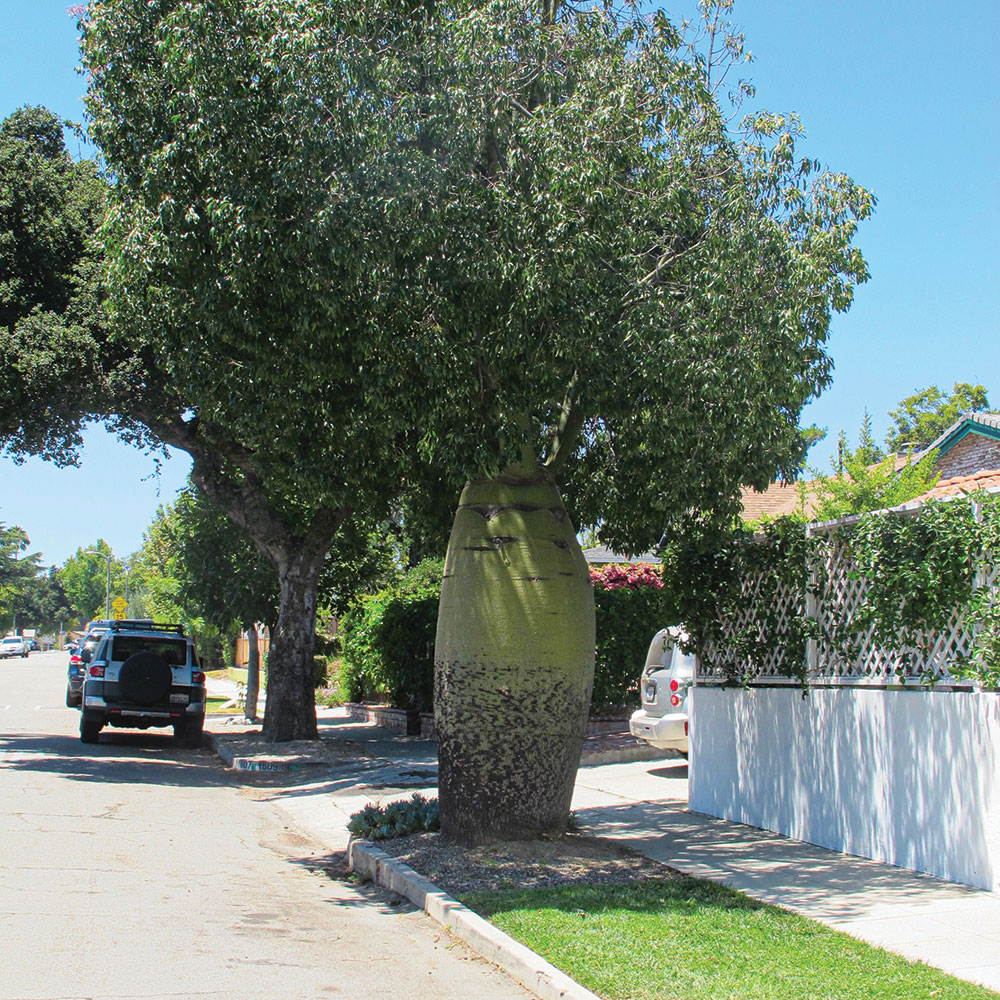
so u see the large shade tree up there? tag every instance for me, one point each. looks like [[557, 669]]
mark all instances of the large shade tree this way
[[234, 283]]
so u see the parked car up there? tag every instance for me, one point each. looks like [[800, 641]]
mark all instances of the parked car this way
[[13, 645], [666, 680], [77, 668], [143, 674]]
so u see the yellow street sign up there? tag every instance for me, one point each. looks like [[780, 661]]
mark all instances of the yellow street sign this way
[[118, 615], [119, 604]]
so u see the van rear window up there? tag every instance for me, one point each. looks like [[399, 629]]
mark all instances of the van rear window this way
[[174, 651]]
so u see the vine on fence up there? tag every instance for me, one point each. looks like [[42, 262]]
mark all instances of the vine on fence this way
[[733, 595], [706, 583]]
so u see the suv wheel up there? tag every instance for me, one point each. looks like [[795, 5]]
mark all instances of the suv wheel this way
[[189, 733], [89, 731]]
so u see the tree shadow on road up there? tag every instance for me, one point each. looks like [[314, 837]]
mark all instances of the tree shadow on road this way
[[120, 756]]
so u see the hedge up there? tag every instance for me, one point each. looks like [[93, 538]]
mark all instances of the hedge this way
[[388, 638], [388, 641]]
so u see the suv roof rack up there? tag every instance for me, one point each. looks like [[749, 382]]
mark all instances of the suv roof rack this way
[[147, 626]]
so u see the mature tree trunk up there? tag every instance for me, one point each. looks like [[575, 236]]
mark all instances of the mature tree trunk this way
[[291, 696], [253, 673], [514, 662], [226, 474]]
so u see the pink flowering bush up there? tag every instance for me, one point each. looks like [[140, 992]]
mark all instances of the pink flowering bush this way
[[618, 576]]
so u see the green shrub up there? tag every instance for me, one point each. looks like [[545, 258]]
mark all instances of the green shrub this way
[[627, 619], [396, 819], [320, 667], [350, 684], [388, 641]]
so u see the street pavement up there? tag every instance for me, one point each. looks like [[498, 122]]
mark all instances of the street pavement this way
[[138, 869]]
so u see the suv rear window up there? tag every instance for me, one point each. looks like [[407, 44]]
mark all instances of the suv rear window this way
[[174, 651]]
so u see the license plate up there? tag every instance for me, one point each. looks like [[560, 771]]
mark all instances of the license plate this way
[[179, 699]]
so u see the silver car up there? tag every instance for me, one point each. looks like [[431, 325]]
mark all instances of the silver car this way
[[13, 645], [666, 680]]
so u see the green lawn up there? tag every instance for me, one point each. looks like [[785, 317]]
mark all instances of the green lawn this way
[[687, 939]]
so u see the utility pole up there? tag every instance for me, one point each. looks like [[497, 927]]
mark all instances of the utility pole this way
[[108, 557]]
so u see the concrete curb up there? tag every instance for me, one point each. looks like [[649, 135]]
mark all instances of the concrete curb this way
[[518, 961]]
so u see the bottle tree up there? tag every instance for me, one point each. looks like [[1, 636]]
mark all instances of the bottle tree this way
[[620, 296]]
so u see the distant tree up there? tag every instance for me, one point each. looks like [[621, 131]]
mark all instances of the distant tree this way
[[17, 570], [921, 418], [83, 578], [44, 603], [862, 486], [867, 451]]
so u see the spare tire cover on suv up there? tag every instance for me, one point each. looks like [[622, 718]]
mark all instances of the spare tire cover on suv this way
[[145, 678]]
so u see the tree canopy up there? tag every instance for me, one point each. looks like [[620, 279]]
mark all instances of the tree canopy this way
[[17, 571], [50, 206], [923, 417], [84, 579]]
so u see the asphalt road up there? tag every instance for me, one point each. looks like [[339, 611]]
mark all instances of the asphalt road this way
[[139, 869]]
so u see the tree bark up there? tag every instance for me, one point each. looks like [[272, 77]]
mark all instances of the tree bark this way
[[291, 698], [514, 663], [253, 673]]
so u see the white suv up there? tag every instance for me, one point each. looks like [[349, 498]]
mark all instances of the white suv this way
[[142, 674]]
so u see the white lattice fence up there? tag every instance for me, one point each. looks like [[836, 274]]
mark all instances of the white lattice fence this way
[[727, 657], [843, 654]]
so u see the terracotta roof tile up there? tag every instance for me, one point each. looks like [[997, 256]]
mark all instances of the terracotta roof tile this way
[[958, 486]]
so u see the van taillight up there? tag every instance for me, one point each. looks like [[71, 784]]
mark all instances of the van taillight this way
[[97, 671]]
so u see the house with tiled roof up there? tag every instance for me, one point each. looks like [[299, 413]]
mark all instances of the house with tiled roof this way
[[968, 452], [970, 445]]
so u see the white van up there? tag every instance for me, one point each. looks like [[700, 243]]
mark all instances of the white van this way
[[667, 677]]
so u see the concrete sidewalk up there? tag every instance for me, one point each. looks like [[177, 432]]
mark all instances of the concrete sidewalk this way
[[644, 805]]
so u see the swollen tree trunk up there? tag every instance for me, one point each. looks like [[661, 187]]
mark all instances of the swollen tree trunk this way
[[253, 673], [290, 713], [514, 663]]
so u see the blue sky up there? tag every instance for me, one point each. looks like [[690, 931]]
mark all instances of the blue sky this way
[[902, 96]]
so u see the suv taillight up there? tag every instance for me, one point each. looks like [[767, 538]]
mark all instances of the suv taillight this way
[[197, 677], [675, 700], [97, 670], [75, 660], [674, 685]]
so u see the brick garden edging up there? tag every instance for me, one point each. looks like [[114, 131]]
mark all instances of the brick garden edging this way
[[413, 723]]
